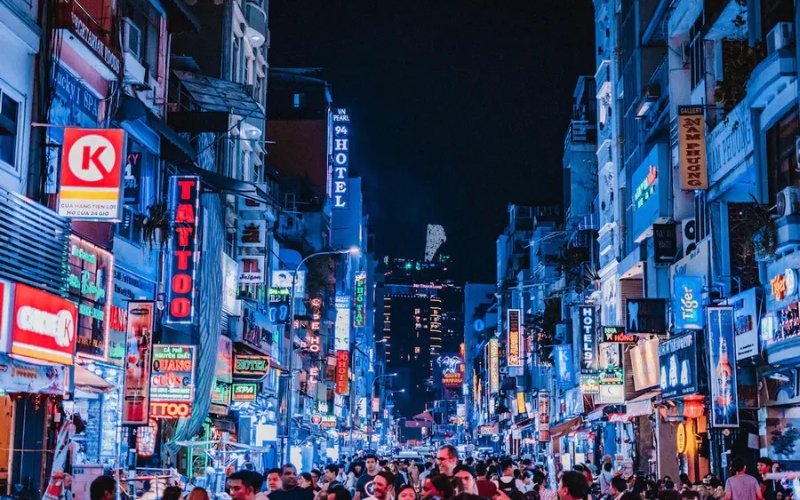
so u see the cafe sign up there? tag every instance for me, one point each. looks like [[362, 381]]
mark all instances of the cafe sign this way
[[250, 365], [172, 373]]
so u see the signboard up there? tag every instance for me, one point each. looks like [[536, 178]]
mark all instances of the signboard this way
[[91, 174], [252, 269], [665, 243], [170, 411], [360, 299], [184, 250], [449, 371], [250, 365], [494, 366], [587, 323], [252, 233], [17, 376], [692, 146], [617, 334], [646, 316], [278, 305], [543, 419], [172, 373], [342, 372], [513, 327], [745, 323], [565, 370], [43, 325], [723, 390], [244, 392], [127, 287], [612, 376], [678, 359], [687, 303], [283, 279], [136, 386], [224, 367], [341, 158], [91, 271], [342, 327], [230, 288], [221, 395], [645, 364]]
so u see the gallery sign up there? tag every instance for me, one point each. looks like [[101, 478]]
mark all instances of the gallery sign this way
[[184, 249], [688, 302], [587, 323], [646, 316], [172, 373], [341, 158], [43, 325], [136, 385], [692, 145], [513, 326], [91, 174], [360, 299]]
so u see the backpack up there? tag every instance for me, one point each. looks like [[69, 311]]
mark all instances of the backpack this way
[[509, 488]]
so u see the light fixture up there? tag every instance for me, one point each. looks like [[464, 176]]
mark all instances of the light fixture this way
[[249, 132]]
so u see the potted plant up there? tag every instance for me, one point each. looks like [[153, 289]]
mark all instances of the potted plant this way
[[155, 226]]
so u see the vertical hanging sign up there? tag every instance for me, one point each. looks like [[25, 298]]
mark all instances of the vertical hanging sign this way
[[514, 337], [724, 395], [588, 332], [184, 255], [341, 158], [342, 372], [494, 366], [360, 299], [692, 143], [136, 387]]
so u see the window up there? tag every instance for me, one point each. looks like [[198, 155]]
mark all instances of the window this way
[[781, 155], [9, 129], [299, 101], [697, 53], [145, 17]]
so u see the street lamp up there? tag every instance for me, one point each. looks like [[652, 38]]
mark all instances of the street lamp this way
[[353, 251]]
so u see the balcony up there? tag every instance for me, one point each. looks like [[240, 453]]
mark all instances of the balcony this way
[[88, 36], [257, 30], [773, 74]]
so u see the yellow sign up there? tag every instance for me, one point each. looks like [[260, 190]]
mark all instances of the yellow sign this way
[[521, 408], [514, 337], [692, 141], [494, 366], [778, 286], [681, 438]]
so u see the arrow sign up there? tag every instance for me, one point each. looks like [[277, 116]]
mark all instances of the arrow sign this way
[[91, 173]]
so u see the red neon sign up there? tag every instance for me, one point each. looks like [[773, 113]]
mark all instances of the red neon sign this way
[[184, 204], [170, 410], [342, 372]]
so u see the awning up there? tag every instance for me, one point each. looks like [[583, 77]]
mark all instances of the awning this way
[[179, 18], [595, 414], [132, 109], [226, 185], [566, 427], [89, 382], [213, 94]]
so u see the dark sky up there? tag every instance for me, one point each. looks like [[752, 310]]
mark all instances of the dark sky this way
[[458, 107]]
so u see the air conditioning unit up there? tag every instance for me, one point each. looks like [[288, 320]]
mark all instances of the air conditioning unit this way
[[788, 202], [781, 36], [132, 39], [689, 235]]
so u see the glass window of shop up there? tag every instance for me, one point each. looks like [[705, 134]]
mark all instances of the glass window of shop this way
[[139, 181], [781, 156]]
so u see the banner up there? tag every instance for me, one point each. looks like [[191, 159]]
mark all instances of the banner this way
[[687, 305], [513, 328], [724, 396], [136, 388], [565, 371], [692, 144], [587, 322], [678, 359], [17, 376]]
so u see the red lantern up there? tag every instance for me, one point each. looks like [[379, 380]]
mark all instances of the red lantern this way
[[693, 407]]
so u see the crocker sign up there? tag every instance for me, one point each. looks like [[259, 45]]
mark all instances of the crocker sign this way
[[59, 326], [44, 325]]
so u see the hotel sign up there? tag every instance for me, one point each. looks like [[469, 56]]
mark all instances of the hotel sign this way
[[514, 338], [494, 366], [692, 144], [184, 205], [341, 158], [342, 372], [588, 333], [250, 365]]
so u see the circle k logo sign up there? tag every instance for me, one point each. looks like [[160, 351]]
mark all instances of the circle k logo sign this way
[[43, 325]]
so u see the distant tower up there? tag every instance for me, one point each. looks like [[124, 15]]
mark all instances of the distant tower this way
[[434, 240]]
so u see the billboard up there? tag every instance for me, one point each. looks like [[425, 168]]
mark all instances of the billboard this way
[[43, 325], [448, 371], [724, 395], [136, 385], [514, 327], [184, 249], [687, 305], [678, 359], [341, 158], [692, 146], [283, 279]]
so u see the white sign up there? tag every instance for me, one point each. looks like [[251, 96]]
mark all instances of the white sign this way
[[252, 269], [790, 278], [341, 158], [283, 279], [252, 233], [342, 339], [230, 272], [745, 323]]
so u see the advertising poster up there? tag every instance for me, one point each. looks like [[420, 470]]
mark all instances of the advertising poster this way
[[127, 287], [283, 279], [172, 375], [543, 416], [136, 387], [724, 396], [745, 323], [91, 277], [687, 305], [565, 372], [224, 368], [678, 359]]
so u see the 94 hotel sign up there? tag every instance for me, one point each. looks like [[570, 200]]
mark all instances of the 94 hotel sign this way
[[91, 174]]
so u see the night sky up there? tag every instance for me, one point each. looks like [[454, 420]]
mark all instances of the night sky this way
[[458, 107]]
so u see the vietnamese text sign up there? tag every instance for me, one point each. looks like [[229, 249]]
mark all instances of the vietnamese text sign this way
[[617, 334], [692, 144], [136, 388], [91, 272], [514, 337], [91, 174], [250, 365], [688, 302], [341, 158], [184, 250], [172, 374], [360, 299]]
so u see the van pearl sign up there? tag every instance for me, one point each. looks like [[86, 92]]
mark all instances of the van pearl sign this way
[[692, 144], [587, 320], [688, 306], [341, 158], [184, 255]]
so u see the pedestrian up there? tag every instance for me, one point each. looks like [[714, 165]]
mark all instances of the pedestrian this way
[[447, 460], [604, 479], [382, 486], [769, 487], [437, 486], [573, 486], [742, 486], [353, 473], [200, 494], [406, 492], [486, 487], [290, 489], [338, 493], [507, 483], [103, 488], [367, 477], [242, 486], [465, 474], [172, 493]]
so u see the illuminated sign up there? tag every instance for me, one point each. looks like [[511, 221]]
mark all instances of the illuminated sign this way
[[341, 158], [590, 384], [278, 305], [91, 173], [687, 305], [521, 408], [136, 385], [646, 188], [617, 334], [252, 269], [681, 438], [220, 393], [494, 366], [342, 327], [514, 337], [360, 299], [692, 145], [250, 365], [170, 410], [184, 205], [312, 342], [244, 392], [91, 273], [342, 372], [451, 367], [172, 373], [588, 333], [42, 324], [778, 287], [543, 420]]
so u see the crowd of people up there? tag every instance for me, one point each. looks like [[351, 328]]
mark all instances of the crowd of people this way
[[447, 477]]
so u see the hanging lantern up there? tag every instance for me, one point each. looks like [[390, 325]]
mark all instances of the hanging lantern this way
[[693, 407]]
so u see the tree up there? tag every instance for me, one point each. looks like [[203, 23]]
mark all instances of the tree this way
[[783, 440]]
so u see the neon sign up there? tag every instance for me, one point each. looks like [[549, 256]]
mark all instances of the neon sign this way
[[170, 410], [184, 203], [646, 188], [342, 372], [494, 366], [514, 337], [360, 299], [341, 158]]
